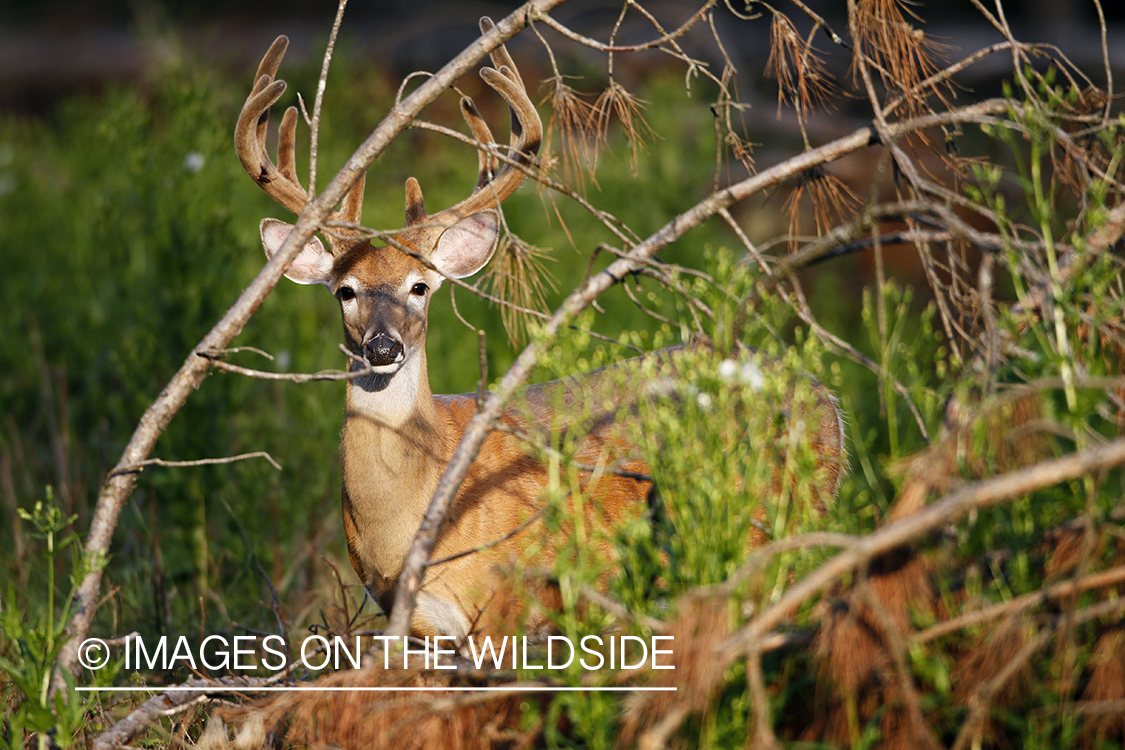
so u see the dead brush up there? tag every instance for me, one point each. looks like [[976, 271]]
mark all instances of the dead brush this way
[[519, 275], [617, 102], [829, 200], [901, 53], [416, 720], [1106, 690], [574, 123], [802, 78], [700, 624], [897, 603]]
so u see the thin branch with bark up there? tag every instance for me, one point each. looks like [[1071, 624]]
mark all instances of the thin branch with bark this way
[[118, 487], [481, 424]]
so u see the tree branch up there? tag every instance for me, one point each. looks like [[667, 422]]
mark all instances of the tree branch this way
[[480, 426], [119, 485], [932, 517]]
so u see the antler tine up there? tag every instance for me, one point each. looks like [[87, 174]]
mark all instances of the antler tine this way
[[271, 61], [500, 57], [351, 210], [286, 147], [503, 62], [527, 135], [267, 72], [488, 162]]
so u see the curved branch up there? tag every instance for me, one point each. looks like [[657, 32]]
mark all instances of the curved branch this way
[[410, 580], [596, 45]]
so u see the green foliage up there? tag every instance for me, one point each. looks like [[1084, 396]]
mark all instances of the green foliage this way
[[32, 639], [713, 437], [131, 229], [711, 484]]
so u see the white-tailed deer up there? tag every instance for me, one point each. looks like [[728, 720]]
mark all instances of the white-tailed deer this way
[[397, 435]]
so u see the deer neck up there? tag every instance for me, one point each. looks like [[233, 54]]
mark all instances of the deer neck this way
[[393, 448]]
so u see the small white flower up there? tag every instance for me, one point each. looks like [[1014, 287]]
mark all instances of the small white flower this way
[[661, 388], [752, 376], [194, 162], [727, 369], [704, 400]]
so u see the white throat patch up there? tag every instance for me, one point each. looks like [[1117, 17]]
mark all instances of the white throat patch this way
[[393, 404]]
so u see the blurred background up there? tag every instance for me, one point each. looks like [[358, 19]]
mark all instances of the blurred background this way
[[52, 48], [127, 228]]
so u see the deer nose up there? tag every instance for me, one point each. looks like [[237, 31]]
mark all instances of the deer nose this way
[[382, 350]]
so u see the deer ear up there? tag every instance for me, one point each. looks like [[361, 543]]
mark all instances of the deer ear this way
[[467, 245], [313, 265]]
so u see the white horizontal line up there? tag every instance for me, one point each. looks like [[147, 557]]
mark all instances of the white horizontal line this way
[[372, 689]]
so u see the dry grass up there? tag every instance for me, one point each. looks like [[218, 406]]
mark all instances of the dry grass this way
[[406, 721], [900, 52], [519, 274], [829, 201]]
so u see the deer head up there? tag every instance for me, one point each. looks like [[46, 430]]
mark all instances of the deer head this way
[[384, 291]]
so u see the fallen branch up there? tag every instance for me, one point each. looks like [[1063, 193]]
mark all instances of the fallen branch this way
[[978, 495], [171, 703]]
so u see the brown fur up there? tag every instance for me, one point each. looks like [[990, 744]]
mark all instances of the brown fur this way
[[503, 489], [398, 437]]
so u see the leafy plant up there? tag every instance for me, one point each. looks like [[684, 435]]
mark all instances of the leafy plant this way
[[31, 643]]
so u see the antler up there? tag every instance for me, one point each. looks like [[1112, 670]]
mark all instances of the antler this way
[[527, 135], [280, 181]]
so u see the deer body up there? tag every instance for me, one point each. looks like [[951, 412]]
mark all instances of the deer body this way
[[398, 436], [382, 513], [383, 442]]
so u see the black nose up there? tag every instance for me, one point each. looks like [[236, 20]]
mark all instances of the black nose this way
[[382, 350]]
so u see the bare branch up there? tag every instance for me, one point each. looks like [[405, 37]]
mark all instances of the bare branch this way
[[955, 505], [138, 467], [1027, 601], [321, 84], [595, 44], [292, 377], [170, 703]]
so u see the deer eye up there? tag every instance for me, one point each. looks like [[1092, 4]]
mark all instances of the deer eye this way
[[345, 293], [419, 289]]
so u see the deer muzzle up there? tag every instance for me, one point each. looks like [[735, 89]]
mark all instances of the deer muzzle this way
[[383, 352]]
